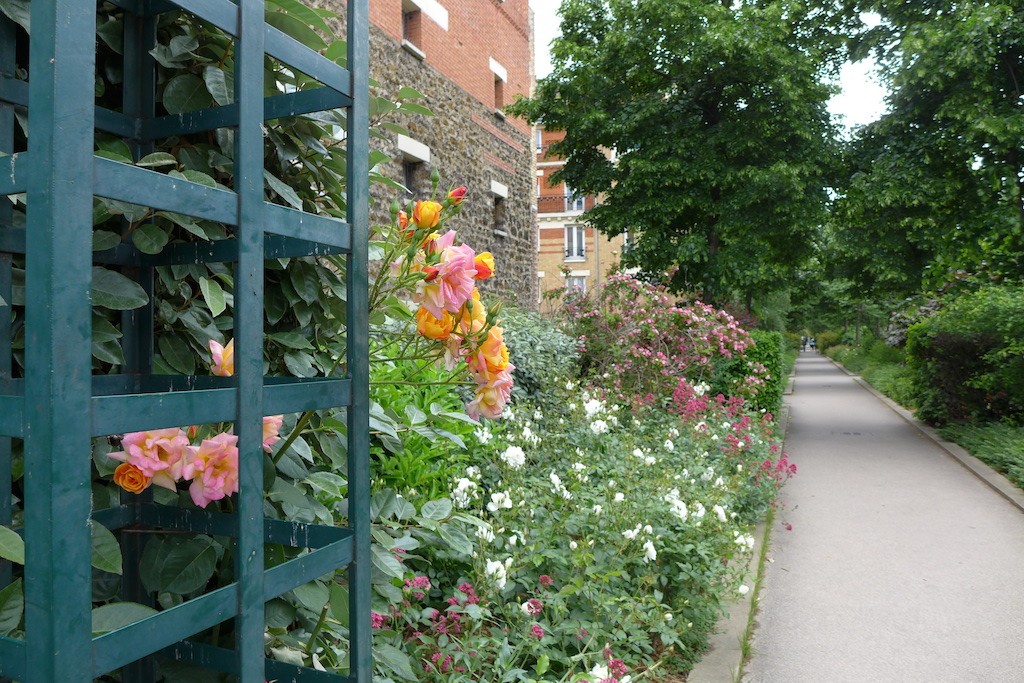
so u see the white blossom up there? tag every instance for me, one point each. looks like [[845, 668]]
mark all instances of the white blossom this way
[[483, 435], [599, 427], [668, 616], [484, 533], [650, 554], [744, 589], [650, 460], [514, 457], [537, 415], [573, 545], [669, 446], [500, 500], [619, 497], [593, 407], [719, 511], [637, 453], [499, 571], [631, 534], [464, 492], [597, 510]]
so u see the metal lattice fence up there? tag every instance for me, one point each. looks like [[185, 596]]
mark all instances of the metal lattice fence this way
[[59, 406]]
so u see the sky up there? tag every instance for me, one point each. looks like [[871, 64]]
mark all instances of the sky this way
[[860, 102]]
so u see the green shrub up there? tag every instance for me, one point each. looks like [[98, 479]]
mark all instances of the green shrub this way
[[967, 360], [893, 380], [793, 340], [880, 353], [826, 339], [767, 351], [544, 356]]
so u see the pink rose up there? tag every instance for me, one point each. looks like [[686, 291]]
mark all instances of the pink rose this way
[[158, 454], [213, 468]]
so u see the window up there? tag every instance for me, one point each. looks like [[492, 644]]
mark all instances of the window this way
[[538, 136], [576, 282], [573, 201], [499, 93], [410, 175], [412, 30], [575, 243], [498, 217]]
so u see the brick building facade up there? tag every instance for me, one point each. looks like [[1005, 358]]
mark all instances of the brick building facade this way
[[468, 58], [571, 253]]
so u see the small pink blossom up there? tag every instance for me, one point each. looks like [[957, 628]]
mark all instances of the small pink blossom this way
[[213, 468], [159, 454], [536, 631], [223, 358], [271, 430]]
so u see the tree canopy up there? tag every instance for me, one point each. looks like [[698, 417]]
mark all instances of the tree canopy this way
[[936, 184], [715, 111]]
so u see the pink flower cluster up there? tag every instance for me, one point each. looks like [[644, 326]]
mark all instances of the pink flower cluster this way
[[166, 457]]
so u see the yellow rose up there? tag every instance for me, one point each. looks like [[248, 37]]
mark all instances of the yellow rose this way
[[426, 214], [432, 328], [484, 263]]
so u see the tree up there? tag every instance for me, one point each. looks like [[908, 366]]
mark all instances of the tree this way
[[937, 184], [716, 110]]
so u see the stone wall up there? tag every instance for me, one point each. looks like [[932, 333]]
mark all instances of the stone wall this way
[[471, 146]]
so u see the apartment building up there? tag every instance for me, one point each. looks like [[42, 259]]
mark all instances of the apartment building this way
[[469, 58], [570, 253]]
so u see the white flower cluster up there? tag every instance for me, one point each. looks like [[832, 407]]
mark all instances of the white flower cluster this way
[[500, 500], [650, 554], [465, 492], [594, 407], [599, 427], [514, 457], [669, 446], [648, 459], [719, 512], [744, 540], [678, 506], [499, 571], [484, 435], [701, 389], [558, 488], [484, 533], [529, 437]]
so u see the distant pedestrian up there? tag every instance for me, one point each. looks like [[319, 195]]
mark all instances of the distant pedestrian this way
[[813, 343], [803, 343]]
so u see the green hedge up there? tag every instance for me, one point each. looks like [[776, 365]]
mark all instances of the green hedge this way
[[544, 356], [967, 361], [768, 350]]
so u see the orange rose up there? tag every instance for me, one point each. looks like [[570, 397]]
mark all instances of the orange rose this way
[[432, 328], [484, 263], [130, 478], [473, 315], [493, 350], [426, 214]]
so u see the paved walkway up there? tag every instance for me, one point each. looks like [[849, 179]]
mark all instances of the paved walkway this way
[[900, 566]]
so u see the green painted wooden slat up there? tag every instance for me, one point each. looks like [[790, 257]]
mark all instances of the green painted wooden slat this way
[[291, 534], [310, 227], [16, 92], [139, 412], [279, 106], [219, 251], [116, 517], [12, 416], [13, 654], [293, 573], [250, 623], [14, 173], [58, 342], [301, 58], [302, 535], [221, 13], [115, 180], [221, 659], [358, 343], [293, 395], [7, 123], [154, 633]]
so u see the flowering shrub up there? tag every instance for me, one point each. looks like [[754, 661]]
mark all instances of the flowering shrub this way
[[634, 334], [589, 551]]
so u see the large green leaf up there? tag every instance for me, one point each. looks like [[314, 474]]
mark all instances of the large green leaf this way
[[220, 85], [184, 93], [177, 353], [386, 562], [18, 11], [156, 160], [149, 238], [339, 603], [188, 567], [213, 295], [115, 291], [437, 509], [12, 547], [106, 552], [105, 239], [117, 615], [295, 28], [313, 595], [395, 660], [12, 606]]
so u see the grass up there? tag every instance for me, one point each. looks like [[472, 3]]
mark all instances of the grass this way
[[746, 648], [998, 445]]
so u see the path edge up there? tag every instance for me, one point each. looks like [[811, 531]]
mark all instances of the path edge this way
[[723, 662], [996, 481]]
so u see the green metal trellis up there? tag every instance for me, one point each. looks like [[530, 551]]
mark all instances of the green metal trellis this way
[[59, 406]]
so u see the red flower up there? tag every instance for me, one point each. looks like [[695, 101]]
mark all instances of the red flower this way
[[457, 195]]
